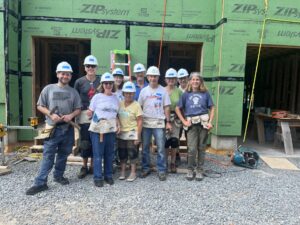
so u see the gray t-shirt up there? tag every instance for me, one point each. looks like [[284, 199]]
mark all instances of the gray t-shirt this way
[[65, 98], [86, 90]]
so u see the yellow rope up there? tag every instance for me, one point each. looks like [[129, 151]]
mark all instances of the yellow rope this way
[[256, 69]]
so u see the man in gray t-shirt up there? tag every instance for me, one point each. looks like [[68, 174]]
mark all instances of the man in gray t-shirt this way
[[60, 104]]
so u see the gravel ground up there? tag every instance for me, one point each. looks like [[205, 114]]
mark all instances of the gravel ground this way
[[239, 196]]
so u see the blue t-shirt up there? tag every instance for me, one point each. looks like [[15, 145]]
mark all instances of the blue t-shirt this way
[[195, 103], [138, 90]]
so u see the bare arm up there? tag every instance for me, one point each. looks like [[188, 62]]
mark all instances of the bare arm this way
[[54, 117], [167, 115], [181, 117], [139, 129], [69, 117], [211, 117]]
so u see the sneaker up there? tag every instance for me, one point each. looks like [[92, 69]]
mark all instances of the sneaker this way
[[145, 173], [91, 170], [190, 175], [98, 183], [131, 178], [62, 180], [162, 176], [82, 173], [173, 168], [199, 175], [36, 189], [122, 177], [110, 181]]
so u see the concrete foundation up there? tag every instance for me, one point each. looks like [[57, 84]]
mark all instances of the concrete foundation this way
[[223, 142]]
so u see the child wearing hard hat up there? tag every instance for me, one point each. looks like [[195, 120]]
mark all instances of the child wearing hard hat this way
[[103, 110], [60, 103], [155, 103], [130, 116], [196, 111], [86, 87], [172, 137]]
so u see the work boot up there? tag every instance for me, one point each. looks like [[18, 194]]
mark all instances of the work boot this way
[[145, 173], [162, 176], [199, 175], [36, 189], [110, 181], [98, 183], [61, 180], [190, 175], [82, 173]]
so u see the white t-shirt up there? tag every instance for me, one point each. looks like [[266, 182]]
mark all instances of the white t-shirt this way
[[104, 106], [119, 94], [153, 102]]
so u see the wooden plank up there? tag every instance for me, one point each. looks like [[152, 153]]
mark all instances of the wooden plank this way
[[287, 139], [279, 163], [260, 130]]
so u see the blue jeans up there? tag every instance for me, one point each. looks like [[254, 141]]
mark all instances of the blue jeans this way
[[60, 144], [159, 135], [103, 151]]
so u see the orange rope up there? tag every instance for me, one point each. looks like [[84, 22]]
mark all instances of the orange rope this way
[[162, 32]]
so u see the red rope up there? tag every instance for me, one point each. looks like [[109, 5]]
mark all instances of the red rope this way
[[162, 32]]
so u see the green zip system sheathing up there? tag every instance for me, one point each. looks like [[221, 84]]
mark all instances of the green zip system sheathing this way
[[131, 24]]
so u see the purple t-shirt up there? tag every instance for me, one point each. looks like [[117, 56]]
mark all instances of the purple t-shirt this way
[[195, 103]]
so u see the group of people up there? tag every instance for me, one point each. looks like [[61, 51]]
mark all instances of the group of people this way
[[117, 117]]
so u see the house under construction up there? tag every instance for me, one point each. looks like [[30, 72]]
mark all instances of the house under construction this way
[[232, 42]]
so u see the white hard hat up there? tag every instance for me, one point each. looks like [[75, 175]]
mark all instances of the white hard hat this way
[[139, 68], [153, 70], [182, 73], [128, 87], [118, 71], [64, 67], [107, 77], [90, 60], [171, 73]]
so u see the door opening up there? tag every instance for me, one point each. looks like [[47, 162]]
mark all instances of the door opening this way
[[47, 53], [176, 55]]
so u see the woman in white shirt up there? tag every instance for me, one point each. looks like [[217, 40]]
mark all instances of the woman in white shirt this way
[[103, 109]]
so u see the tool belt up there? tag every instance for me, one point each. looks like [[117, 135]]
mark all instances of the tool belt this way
[[153, 123], [128, 135], [83, 118], [46, 132], [201, 119], [103, 126]]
